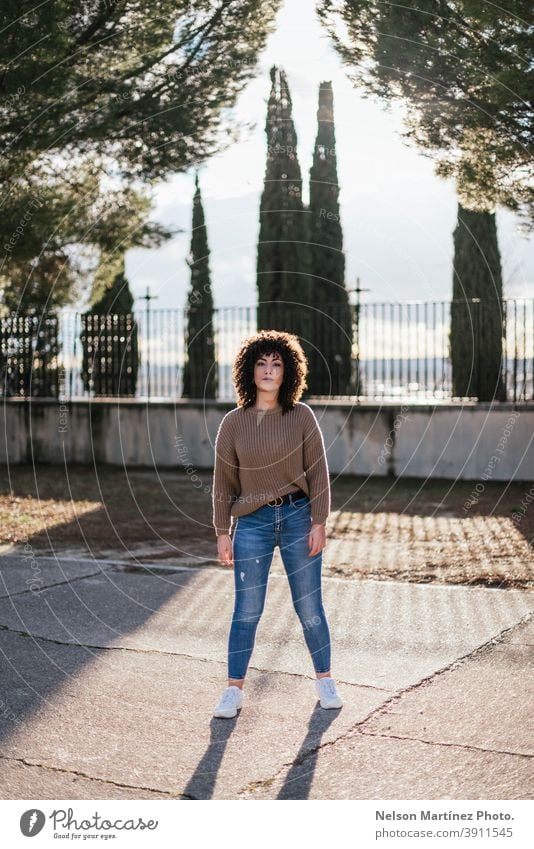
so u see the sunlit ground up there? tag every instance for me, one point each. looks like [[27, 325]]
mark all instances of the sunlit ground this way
[[379, 528]]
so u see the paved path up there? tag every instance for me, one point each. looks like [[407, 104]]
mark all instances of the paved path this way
[[109, 678]]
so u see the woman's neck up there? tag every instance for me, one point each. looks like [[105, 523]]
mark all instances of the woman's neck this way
[[266, 405], [264, 409]]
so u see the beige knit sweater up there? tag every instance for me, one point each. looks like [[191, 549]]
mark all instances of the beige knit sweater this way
[[260, 455]]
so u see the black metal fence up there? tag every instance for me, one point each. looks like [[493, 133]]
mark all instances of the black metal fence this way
[[29, 356], [398, 351]]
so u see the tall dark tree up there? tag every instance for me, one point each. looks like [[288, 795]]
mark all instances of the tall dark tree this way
[[464, 71], [476, 338], [200, 372], [109, 340], [283, 258], [331, 366]]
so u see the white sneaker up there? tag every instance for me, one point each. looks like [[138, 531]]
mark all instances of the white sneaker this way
[[231, 700], [327, 692]]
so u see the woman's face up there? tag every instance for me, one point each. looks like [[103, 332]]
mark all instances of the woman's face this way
[[269, 372]]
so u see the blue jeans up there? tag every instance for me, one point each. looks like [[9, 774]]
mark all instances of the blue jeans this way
[[254, 540]]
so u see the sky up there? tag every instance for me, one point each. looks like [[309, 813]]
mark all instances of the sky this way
[[398, 218]]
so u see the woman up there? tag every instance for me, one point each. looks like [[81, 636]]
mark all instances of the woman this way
[[271, 476]]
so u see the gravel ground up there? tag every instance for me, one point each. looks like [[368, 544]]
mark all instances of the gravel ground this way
[[381, 528]]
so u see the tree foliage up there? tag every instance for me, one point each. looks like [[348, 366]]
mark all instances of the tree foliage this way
[[98, 100], [60, 227], [144, 84], [330, 369], [283, 254], [200, 371], [476, 338], [464, 71]]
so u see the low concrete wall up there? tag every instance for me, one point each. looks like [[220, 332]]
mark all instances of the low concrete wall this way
[[474, 442]]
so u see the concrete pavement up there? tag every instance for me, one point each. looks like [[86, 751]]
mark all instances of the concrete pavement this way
[[109, 676]]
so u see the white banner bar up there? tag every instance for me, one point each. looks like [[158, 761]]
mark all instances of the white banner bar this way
[[354, 823]]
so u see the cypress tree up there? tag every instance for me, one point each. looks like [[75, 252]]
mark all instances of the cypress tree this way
[[109, 340], [283, 261], [200, 373], [476, 336], [331, 369]]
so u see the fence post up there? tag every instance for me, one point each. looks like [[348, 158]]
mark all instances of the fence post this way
[[148, 297]]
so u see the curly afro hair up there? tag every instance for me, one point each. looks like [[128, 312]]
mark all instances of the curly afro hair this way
[[295, 362]]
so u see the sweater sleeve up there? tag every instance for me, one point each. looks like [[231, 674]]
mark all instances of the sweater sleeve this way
[[226, 483], [316, 468]]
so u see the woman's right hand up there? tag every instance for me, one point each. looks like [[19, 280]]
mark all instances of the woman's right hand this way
[[224, 550]]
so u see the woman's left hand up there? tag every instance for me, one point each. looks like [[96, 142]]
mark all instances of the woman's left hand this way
[[317, 539]]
